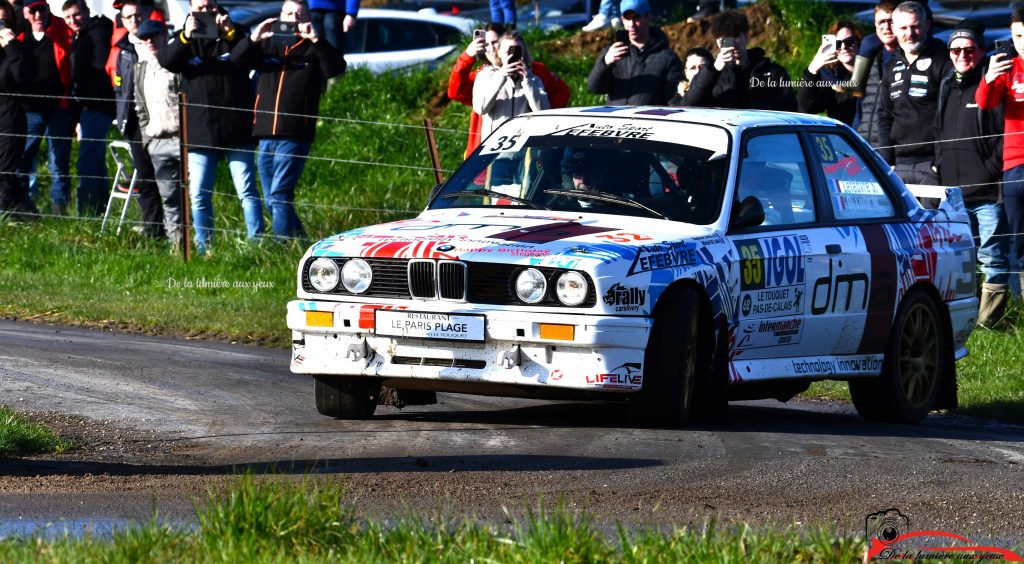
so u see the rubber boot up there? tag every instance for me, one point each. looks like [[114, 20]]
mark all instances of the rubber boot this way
[[994, 298]]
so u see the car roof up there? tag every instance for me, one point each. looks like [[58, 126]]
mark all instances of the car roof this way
[[726, 118]]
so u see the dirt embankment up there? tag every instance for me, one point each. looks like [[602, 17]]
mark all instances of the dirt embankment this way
[[766, 31]]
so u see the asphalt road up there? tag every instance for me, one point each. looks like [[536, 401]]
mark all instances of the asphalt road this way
[[168, 420]]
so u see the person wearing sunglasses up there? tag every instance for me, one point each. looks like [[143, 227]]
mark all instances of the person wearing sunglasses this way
[[975, 163], [821, 89]]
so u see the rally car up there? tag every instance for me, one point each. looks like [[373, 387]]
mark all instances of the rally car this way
[[675, 258]]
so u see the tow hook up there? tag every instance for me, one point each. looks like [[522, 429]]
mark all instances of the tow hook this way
[[512, 358], [360, 350]]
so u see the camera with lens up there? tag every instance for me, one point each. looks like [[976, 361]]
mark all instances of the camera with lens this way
[[886, 526]]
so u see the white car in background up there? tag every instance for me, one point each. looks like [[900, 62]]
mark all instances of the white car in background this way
[[384, 40]]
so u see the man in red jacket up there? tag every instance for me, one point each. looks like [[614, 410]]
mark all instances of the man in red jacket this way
[[1004, 84], [460, 82]]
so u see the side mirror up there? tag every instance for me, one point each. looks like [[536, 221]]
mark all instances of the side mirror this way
[[750, 213]]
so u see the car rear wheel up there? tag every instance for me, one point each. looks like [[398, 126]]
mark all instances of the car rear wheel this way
[[671, 362], [345, 397], [912, 375]]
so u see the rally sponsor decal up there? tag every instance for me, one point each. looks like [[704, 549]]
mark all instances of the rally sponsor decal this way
[[805, 367], [663, 255], [616, 131], [772, 302], [839, 291], [623, 298], [769, 333], [627, 376], [884, 280], [773, 261]]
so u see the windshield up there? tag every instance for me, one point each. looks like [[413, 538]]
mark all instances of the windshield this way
[[637, 177]]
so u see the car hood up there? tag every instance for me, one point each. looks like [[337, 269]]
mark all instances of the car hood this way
[[534, 239]]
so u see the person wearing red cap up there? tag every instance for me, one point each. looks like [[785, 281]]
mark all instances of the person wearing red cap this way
[[47, 44]]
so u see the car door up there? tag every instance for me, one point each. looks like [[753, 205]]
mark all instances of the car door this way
[[862, 286], [779, 259]]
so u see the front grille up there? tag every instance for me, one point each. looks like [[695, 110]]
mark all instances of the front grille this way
[[422, 283], [442, 362], [426, 279], [451, 280]]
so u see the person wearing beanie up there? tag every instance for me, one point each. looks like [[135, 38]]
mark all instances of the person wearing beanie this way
[[969, 153], [644, 71], [1002, 87]]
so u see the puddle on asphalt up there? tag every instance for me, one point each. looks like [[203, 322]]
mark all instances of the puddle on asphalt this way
[[78, 528]]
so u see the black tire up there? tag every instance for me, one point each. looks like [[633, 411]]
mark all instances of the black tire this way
[[914, 370], [671, 362], [345, 397]]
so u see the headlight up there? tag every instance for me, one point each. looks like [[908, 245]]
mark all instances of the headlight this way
[[323, 275], [356, 276], [531, 286], [571, 288]]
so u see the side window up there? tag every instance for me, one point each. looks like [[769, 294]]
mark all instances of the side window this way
[[400, 35], [853, 189], [775, 172], [355, 40]]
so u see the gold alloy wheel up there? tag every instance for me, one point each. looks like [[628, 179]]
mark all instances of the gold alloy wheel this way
[[918, 364]]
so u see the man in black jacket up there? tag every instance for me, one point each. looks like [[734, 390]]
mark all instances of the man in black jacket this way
[[909, 95], [127, 119], [646, 71], [13, 72], [92, 101], [218, 120], [975, 161], [293, 69], [740, 78]]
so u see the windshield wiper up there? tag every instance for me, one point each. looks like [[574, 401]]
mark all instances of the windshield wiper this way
[[496, 194], [606, 197]]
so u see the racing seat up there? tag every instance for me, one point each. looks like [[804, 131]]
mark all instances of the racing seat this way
[[124, 187]]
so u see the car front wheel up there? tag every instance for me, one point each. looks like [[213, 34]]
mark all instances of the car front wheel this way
[[346, 398], [671, 362], [912, 375]]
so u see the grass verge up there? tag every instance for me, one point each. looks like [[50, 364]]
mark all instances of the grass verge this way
[[269, 520], [20, 437]]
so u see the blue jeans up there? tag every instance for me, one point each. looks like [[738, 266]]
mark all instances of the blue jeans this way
[[202, 170], [988, 223], [93, 185], [609, 9], [1013, 202], [503, 12], [58, 129], [281, 162], [330, 25]]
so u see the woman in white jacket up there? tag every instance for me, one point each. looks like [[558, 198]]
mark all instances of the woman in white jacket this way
[[502, 92]]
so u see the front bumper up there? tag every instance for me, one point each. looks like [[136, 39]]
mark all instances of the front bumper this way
[[605, 353]]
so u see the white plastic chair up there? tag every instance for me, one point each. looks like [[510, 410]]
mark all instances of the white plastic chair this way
[[123, 187]]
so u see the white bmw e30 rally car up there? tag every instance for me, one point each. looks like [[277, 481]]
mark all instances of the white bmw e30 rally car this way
[[674, 257]]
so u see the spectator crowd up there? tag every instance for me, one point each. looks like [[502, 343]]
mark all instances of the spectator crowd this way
[[935, 111], [85, 73]]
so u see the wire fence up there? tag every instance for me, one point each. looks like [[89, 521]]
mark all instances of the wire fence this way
[[140, 224]]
